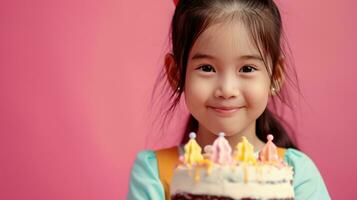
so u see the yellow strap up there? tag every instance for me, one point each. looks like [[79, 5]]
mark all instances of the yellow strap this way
[[281, 152], [167, 159]]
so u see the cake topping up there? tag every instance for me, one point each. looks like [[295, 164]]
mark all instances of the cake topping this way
[[207, 152], [245, 152], [221, 150], [269, 153], [192, 151], [192, 135], [219, 154]]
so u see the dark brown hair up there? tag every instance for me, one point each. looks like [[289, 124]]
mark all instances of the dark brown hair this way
[[263, 22]]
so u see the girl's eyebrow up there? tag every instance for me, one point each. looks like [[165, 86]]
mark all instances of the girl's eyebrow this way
[[198, 56]]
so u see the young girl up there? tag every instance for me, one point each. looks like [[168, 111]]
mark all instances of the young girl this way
[[228, 62]]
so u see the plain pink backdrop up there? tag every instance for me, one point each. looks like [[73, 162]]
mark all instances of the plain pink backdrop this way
[[76, 79]]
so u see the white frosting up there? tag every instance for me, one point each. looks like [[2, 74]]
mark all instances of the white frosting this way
[[244, 180]]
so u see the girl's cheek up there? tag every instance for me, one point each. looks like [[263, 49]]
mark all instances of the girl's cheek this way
[[197, 90], [256, 95]]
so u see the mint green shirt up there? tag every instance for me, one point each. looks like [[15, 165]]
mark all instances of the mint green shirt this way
[[145, 182]]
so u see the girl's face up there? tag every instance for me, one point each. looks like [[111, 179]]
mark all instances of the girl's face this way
[[227, 84]]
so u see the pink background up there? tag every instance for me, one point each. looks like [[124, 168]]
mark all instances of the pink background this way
[[76, 77]]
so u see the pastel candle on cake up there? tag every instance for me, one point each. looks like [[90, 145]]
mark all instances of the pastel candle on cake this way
[[245, 152], [269, 153], [192, 151], [221, 150]]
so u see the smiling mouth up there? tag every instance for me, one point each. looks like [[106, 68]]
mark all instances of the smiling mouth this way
[[225, 111]]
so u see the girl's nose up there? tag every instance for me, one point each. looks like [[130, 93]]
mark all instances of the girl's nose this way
[[227, 88]]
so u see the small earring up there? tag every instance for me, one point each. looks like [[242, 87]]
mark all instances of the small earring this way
[[273, 90], [178, 89]]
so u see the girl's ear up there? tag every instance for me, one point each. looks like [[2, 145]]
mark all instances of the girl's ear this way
[[278, 77], [172, 72]]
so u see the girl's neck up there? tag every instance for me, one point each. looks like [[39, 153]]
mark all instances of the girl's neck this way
[[205, 137]]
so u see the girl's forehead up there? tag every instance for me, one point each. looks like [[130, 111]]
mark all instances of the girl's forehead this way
[[225, 39]]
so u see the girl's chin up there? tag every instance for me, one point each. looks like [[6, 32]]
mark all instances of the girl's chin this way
[[227, 133], [219, 128]]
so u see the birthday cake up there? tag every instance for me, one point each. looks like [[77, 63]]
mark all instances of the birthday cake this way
[[220, 173]]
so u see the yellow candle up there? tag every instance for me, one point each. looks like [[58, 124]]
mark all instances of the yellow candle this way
[[245, 152], [193, 151]]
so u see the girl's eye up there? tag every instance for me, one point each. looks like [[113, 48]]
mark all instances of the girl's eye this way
[[207, 68], [247, 69]]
